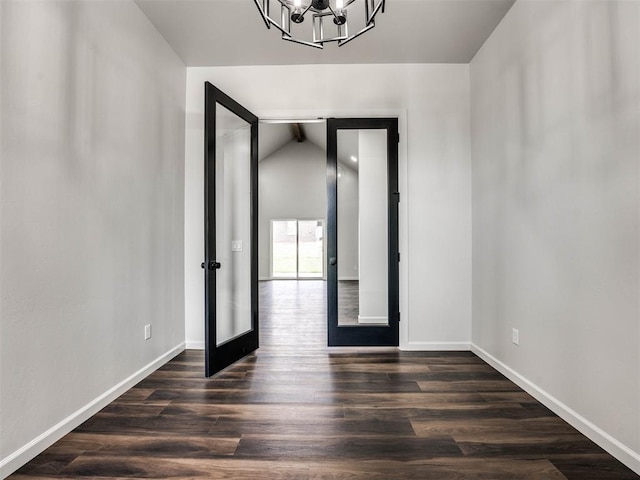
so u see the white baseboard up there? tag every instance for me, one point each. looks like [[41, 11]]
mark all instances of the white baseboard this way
[[195, 345], [616, 448], [435, 346], [373, 320], [36, 446]]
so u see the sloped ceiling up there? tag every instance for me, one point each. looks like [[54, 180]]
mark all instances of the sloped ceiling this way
[[273, 136], [231, 32]]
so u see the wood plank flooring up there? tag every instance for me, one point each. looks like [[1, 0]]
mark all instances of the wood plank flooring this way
[[299, 410], [348, 302]]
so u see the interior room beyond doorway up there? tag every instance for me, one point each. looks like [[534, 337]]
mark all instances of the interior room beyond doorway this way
[[292, 216], [292, 209]]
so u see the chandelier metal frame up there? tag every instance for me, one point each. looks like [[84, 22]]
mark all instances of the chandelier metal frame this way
[[293, 12]]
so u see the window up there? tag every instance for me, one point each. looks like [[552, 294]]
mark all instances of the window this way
[[297, 248]]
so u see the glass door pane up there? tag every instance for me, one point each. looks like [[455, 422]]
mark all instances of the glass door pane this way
[[233, 225], [363, 232], [310, 249]]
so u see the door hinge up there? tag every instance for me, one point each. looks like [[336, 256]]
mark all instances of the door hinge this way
[[397, 194], [398, 138], [398, 256], [398, 317]]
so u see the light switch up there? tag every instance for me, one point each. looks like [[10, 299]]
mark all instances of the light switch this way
[[236, 245]]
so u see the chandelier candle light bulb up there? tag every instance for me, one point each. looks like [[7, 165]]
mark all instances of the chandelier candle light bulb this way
[[297, 16], [339, 18]]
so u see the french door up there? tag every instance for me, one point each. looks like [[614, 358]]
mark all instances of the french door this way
[[231, 225], [362, 232]]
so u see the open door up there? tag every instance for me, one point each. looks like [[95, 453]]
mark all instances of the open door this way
[[231, 248], [362, 232]]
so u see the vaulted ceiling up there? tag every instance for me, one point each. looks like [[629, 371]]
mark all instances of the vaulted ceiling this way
[[231, 32], [273, 136]]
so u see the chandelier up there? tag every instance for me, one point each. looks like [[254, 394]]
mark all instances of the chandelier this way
[[329, 20]]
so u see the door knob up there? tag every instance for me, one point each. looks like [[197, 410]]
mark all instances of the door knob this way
[[333, 261], [211, 266]]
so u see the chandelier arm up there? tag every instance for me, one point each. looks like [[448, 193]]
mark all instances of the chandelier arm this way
[[279, 27], [319, 46], [306, 10], [373, 14], [365, 29], [334, 13], [263, 14]]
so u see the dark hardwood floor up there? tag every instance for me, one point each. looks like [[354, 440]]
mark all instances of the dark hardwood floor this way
[[299, 410], [348, 302]]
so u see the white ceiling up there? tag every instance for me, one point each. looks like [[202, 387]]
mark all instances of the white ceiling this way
[[231, 32]]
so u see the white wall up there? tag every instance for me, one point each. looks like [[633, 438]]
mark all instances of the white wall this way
[[92, 212], [292, 184], [435, 229], [556, 150]]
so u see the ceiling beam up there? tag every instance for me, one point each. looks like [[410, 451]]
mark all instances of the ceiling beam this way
[[298, 132]]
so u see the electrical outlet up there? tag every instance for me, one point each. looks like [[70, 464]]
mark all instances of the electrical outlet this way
[[147, 331], [515, 336]]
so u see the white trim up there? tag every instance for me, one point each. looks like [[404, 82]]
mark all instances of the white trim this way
[[435, 346], [195, 345], [348, 279], [20, 457], [373, 320], [615, 447]]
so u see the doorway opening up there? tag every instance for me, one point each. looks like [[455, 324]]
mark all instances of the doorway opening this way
[[292, 209]]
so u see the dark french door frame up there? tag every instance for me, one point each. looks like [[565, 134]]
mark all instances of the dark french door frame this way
[[220, 356], [350, 335]]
